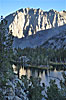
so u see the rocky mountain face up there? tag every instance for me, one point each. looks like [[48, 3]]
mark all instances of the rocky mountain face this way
[[26, 22], [42, 38], [56, 42]]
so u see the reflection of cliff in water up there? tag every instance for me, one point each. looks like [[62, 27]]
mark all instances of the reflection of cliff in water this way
[[43, 74], [46, 73]]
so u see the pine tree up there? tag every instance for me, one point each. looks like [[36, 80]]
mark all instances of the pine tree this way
[[5, 56]]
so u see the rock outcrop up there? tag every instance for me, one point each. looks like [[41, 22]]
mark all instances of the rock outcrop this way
[[26, 22], [14, 90]]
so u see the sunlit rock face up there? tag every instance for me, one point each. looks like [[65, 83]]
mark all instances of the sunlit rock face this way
[[26, 22]]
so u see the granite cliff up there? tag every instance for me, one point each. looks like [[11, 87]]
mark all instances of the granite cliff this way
[[35, 27], [26, 22]]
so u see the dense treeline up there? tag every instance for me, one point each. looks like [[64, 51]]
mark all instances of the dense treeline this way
[[40, 56]]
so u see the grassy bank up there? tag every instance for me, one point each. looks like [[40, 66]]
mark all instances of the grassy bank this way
[[57, 64], [41, 68]]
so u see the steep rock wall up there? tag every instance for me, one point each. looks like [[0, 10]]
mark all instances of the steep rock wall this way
[[26, 22]]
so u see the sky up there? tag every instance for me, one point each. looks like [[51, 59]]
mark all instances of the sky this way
[[10, 6]]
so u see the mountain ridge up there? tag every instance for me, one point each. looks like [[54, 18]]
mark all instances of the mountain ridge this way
[[34, 27], [26, 22]]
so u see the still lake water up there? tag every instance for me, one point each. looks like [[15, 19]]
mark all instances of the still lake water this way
[[43, 74]]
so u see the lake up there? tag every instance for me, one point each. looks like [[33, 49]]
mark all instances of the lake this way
[[45, 75]]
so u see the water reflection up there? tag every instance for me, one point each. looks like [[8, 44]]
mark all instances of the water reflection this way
[[28, 73], [22, 72], [43, 74]]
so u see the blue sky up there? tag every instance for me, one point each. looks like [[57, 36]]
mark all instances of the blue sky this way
[[9, 6]]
